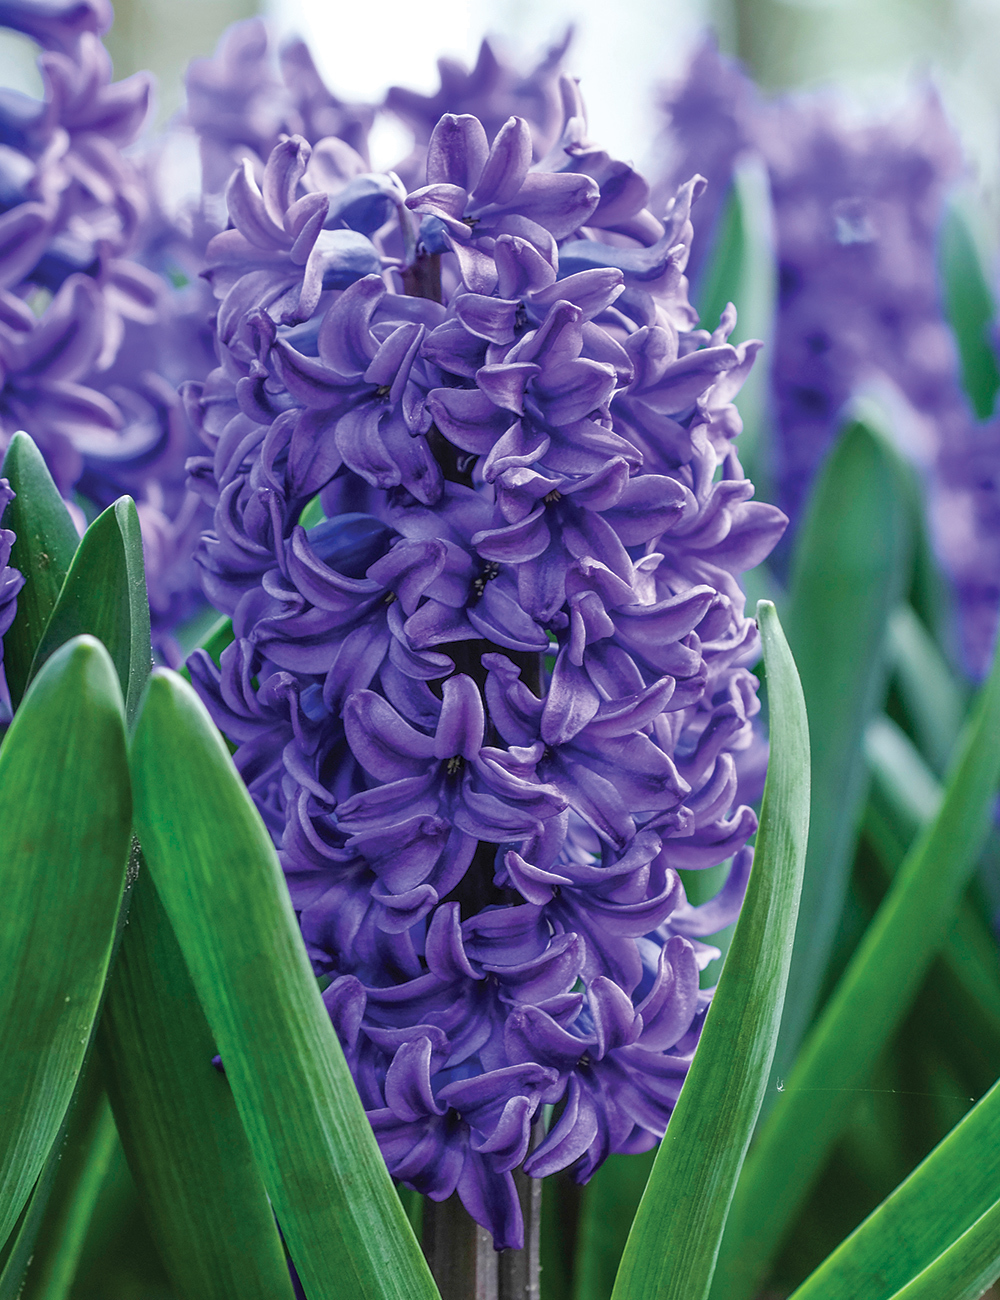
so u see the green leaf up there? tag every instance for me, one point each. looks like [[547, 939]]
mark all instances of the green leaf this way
[[942, 1198], [56, 1188], [607, 1209], [848, 575], [674, 1241], [65, 809], [215, 641], [904, 797], [201, 1193], [743, 270], [218, 877], [46, 540], [971, 309], [965, 1269], [105, 595], [83, 1166], [934, 701], [867, 1005]]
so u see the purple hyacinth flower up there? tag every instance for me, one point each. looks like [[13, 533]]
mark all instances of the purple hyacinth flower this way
[[480, 530], [57, 24]]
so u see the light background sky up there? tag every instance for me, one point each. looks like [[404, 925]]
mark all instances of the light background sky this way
[[620, 51]]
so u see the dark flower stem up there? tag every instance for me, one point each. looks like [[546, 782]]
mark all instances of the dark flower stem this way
[[519, 1269], [422, 278], [460, 1253]]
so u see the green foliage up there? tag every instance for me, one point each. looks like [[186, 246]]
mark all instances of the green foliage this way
[[104, 594], [182, 1135], [672, 1248], [83, 1164], [218, 877], [944, 1197], [45, 541], [867, 1005], [848, 575], [965, 1269], [971, 310], [607, 1208], [933, 700], [53, 1216], [65, 809]]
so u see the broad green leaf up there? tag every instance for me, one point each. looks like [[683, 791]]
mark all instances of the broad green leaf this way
[[905, 796], [56, 1187], [201, 1193], [868, 1003], [743, 270], [934, 701], [965, 1269], [83, 1166], [930, 592], [105, 595], [674, 1241], [848, 574], [942, 1198], [218, 877], [65, 809], [971, 310], [46, 541]]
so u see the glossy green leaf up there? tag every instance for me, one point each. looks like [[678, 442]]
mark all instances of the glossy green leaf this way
[[46, 539], [905, 796], [971, 310], [105, 595], [48, 1207], [942, 1198], [848, 574], [65, 809], [83, 1166], [935, 703], [218, 877], [674, 1241], [965, 1269], [867, 1005], [191, 1161], [743, 270]]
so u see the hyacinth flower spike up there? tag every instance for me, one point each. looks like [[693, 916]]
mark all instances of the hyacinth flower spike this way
[[498, 695]]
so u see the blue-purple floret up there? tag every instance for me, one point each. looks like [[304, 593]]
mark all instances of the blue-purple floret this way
[[72, 208], [479, 524], [92, 344]]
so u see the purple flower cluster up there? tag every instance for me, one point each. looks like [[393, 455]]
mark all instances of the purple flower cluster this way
[[71, 210], [93, 339], [479, 522]]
